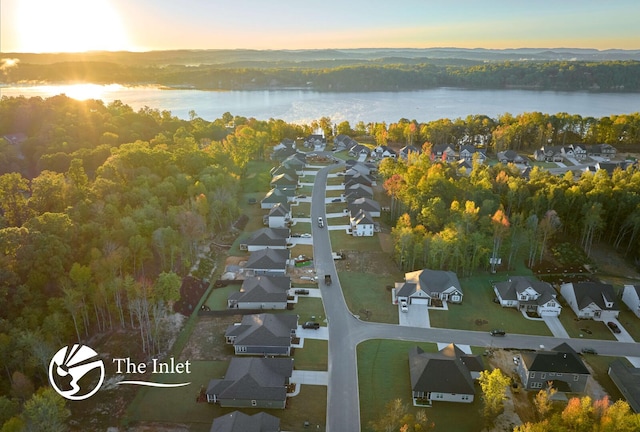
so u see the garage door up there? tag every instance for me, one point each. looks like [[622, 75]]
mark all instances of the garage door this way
[[424, 301]]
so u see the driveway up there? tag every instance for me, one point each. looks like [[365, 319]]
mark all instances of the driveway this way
[[556, 327], [310, 377], [322, 333], [416, 316], [624, 335]]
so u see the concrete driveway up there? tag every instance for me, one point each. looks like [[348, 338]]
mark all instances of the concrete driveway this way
[[624, 335], [322, 333], [416, 316], [556, 327], [310, 377]]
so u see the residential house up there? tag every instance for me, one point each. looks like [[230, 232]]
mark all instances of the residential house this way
[[284, 181], [277, 196], [362, 224], [252, 382], [281, 169], [261, 292], [609, 167], [279, 216], [579, 151], [602, 150], [408, 149], [561, 368], [631, 297], [315, 141], [443, 152], [237, 421], [425, 286], [592, 300], [352, 177], [361, 167], [464, 165], [467, 152], [267, 261], [263, 334], [567, 151], [372, 207], [627, 379], [510, 156], [341, 141], [445, 376], [383, 151], [362, 152], [529, 295], [358, 191], [296, 162], [274, 238]]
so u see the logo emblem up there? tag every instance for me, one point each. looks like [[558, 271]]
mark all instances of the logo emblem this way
[[67, 368]]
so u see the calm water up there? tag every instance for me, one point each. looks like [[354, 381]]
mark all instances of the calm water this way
[[301, 106]]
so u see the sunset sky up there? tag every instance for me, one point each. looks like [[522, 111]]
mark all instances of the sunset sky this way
[[143, 25]]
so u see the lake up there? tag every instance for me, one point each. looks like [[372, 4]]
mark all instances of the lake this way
[[303, 106]]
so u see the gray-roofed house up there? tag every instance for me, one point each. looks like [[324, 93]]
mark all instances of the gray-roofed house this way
[[274, 238], [424, 286], [261, 292], [263, 334], [510, 156], [383, 151], [627, 379], [528, 294], [280, 169], [358, 191], [277, 196], [443, 152], [631, 297], [367, 204], [445, 376], [362, 224], [602, 150], [562, 367], [267, 261], [296, 162], [279, 216], [237, 421], [592, 300], [357, 166], [252, 382], [408, 149], [467, 152], [579, 151], [284, 181], [352, 178]]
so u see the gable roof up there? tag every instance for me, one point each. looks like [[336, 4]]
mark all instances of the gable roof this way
[[363, 203], [404, 151], [269, 237], [362, 218], [278, 195], [263, 289], [434, 281], [595, 292], [627, 379], [271, 259], [510, 289], [280, 209], [264, 330], [561, 359], [240, 422], [441, 372], [254, 378]]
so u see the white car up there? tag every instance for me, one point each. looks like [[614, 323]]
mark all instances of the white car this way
[[305, 235], [403, 306], [320, 222]]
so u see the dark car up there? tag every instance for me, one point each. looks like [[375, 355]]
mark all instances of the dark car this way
[[497, 333], [614, 327], [587, 350], [311, 325], [336, 200], [302, 291]]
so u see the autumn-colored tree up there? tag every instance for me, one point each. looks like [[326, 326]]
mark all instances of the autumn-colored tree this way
[[494, 386]]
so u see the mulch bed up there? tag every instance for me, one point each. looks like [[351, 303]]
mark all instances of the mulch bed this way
[[191, 292]]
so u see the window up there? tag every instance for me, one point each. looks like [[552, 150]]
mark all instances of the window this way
[[543, 375], [536, 385], [576, 377], [254, 403], [532, 375], [552, 373]]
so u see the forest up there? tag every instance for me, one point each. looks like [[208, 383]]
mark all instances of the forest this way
[[104, 209], [344, 75]]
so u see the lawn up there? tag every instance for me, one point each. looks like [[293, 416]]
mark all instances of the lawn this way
[[383, 375], [479, 312], [258, 177], [335, 181], [314, 356], [218, 298], [334, 193], [367, 292], [336, 207], [302, 209], [308, 309], [341, 240], [301, 228], [586, 329]]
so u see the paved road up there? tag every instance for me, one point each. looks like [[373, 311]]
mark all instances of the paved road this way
[[346, 331]]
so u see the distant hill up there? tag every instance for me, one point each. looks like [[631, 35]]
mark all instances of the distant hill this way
[[273, 58]]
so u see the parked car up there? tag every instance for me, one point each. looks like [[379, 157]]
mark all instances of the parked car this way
[[302, 196], [305, 235], [403, 306], [587, 350], [311, 325], [302, 291], [327, 280], [336, 200], [320, 222], [497, 332], [614, 327], [296, 235]]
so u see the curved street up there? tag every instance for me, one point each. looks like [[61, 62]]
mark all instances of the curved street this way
[[346, 331]]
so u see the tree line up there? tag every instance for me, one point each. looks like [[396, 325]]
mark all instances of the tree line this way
[[375, 75], [447, 219]]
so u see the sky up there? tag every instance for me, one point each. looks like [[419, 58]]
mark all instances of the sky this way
[[145, 25]]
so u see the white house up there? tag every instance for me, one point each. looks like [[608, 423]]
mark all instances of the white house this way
[[528, 294], [592, 300], [631, 297], [424, 286], [279, 216], [362, 224]]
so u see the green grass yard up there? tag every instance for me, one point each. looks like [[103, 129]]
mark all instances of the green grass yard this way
[[383, 375], [368, 292]]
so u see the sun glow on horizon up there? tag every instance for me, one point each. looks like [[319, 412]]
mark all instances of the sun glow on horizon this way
[[70, 26]]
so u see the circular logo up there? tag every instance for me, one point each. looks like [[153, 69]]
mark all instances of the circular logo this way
[[68, 367]]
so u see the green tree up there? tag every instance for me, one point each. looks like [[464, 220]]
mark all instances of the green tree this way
[[494, 386], [46, 411], [14, 190]]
